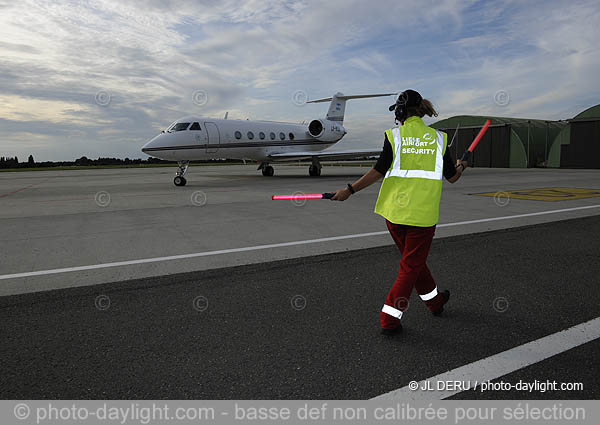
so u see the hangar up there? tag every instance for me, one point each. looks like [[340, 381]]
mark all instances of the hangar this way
[[508, 143], [577, 145], [525, 143]]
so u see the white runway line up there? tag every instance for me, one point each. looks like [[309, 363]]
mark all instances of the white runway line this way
[[268, 246], [501, 364]]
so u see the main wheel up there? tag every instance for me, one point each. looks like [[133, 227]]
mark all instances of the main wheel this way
[[314, 171], [179, 181], [268, 171]]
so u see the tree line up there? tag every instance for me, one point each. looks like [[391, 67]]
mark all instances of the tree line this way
[[13, 162]]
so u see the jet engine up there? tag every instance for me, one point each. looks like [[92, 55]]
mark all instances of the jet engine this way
[[325, 130]]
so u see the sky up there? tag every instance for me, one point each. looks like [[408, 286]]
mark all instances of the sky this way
[[100, 78]]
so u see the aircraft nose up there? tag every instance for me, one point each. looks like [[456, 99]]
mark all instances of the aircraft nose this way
[[151, 144]]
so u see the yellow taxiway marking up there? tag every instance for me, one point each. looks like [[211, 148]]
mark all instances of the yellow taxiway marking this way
[[550, 194]]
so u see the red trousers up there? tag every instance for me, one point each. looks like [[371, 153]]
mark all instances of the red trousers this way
[[413, 243]]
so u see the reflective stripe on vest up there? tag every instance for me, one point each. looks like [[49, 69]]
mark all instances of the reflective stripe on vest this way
[[397, 171]]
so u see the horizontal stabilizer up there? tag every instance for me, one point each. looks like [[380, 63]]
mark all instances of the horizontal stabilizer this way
[[355, 96]]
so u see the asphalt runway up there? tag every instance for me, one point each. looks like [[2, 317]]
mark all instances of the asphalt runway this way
[[307, 327], [64, 219]]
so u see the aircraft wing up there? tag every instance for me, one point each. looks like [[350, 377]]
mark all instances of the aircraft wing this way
[[326, 155]]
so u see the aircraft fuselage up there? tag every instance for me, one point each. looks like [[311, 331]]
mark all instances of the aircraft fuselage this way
[[196, 138]]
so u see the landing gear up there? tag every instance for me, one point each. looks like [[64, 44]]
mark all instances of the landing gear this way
[[314, 170], [267, 170], [182, 167]]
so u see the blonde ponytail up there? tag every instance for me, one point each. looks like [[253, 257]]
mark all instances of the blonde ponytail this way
[[424, 108]]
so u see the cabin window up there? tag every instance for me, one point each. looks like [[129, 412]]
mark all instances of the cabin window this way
[[195, 126], [282, 136], [272, 136], [291, 136], [238, 135], [250, 135], [261, 135]]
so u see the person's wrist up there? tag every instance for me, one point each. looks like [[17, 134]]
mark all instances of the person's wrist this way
[[350, 189]]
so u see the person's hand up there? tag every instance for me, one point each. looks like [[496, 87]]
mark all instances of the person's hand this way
[[341, 195], [465, 164]]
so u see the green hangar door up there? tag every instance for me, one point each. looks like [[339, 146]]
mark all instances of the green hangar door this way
[[584, 149], [492, 151]]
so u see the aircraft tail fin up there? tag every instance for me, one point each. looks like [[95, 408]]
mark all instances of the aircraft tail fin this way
[[337, 106]]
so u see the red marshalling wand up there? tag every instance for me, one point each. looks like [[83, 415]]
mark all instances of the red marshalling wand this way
[[310, 196], [467, 155]]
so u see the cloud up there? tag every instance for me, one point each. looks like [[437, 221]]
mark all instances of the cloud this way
[[148, 58]]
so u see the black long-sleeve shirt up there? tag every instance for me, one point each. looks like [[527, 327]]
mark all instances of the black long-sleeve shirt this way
[[387, 156]]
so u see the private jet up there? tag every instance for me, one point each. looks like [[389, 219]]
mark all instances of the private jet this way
[[196, 138]]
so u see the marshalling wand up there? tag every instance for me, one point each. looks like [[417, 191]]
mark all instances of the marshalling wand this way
[[309, 196], [467, 155]]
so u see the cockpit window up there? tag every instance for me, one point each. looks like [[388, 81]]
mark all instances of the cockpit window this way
[[180, 126], [195, 126]]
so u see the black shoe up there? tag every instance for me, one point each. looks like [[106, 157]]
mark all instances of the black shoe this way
[[392, 331], [445, 297]]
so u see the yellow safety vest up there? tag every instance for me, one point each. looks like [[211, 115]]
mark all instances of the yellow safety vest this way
[[411, 190]]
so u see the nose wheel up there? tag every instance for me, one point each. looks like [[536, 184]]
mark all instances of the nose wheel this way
[[179, 181], [182, 167]]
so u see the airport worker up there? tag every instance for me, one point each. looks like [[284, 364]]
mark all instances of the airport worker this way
[[413, 160]]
